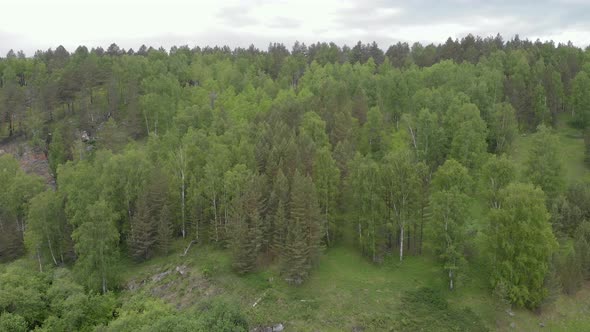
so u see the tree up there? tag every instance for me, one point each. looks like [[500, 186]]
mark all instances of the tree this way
[[543, 166], [212, 185], [541, 109], [468, 140], [372, 139], [449, 214], [12, 322], [364, 186], [521, 243], [96, 244], [57, 151], [401, 183], [247, 220], [304, 230], [143, 230], [452, 175], [165, 231], [580, 100], [449, 203], [503, 128], [47, 230], [429, 139], [497, 173], [326, 179], [144, 224]]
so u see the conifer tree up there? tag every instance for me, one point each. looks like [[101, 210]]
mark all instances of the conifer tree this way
[[295, 256], [164, 230], [247, 228], [304, 230], [143, 231]]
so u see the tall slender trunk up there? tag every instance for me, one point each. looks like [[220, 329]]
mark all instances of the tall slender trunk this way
[[104, 284], [401, 242], [183, 205], [408, 239], [451, 279], [147, 126], [327, 223], [215, 218], [51, 251], [39, 260]]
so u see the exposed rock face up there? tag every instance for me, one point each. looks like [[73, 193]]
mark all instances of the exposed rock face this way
[[181, 286], [30, 160]]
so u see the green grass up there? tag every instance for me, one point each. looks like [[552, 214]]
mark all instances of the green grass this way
[[571, 150], [343, 292]]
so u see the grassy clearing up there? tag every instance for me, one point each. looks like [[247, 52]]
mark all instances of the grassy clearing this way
[[571, 149], [345, 291]]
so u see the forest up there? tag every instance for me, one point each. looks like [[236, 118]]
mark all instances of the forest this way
[[265, 173]]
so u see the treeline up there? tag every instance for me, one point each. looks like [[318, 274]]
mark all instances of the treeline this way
[[278, 155]]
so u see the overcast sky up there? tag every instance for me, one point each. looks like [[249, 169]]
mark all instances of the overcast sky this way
[[40, 24]]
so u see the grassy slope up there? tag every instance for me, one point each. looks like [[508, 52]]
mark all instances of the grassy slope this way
[[345, 291]]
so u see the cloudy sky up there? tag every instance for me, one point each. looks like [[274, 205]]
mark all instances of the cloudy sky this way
[[40, 24]]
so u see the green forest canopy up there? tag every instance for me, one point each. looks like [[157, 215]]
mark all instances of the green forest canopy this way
[[279, 155]]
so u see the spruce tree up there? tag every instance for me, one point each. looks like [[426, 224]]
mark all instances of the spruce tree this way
[[304, 230], [295, 256], [247, 228], [279, 236], [164, 230], [143, 231]]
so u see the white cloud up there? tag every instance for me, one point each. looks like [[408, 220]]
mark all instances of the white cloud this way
[[40, 24]]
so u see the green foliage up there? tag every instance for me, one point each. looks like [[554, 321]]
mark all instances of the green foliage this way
[[304, 231], [326, 176], [223, 317], [497, 173], [521, 243], [449, 217], [12, 322], [58, 153], [47, 229], [268, 153], [579, 99], [364, 186], [569, 265], [503, 128], [22, 292], [543, 166], [452, 175], [96, 244], [248, 232], [71, 308], [17, 190], [147, 314], [400, 181], [468, 136]]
